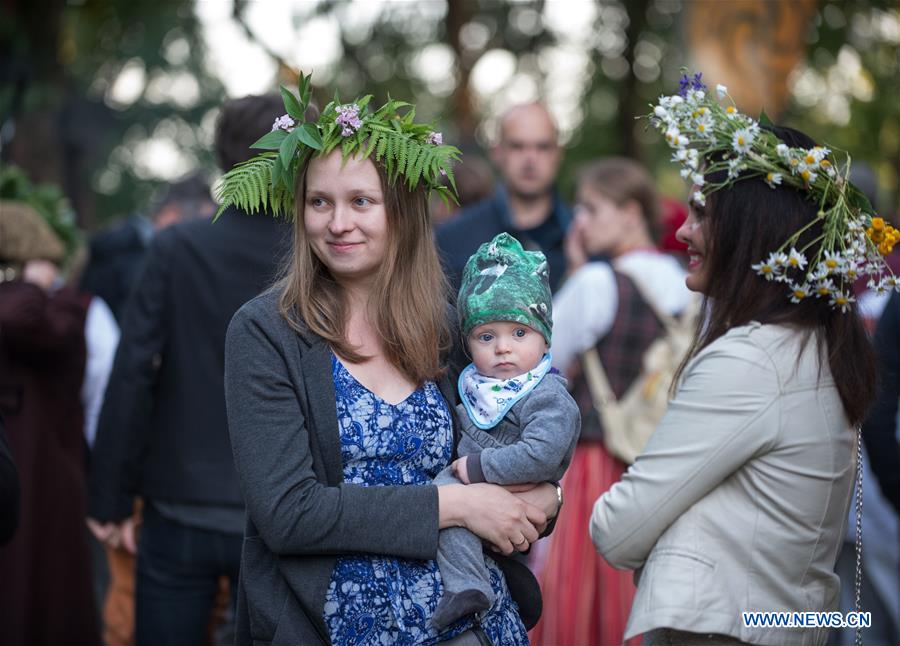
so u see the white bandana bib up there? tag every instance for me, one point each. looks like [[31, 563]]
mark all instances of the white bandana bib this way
[[487, 399]]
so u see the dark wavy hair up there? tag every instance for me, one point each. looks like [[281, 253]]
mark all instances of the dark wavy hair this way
[[743, 223]]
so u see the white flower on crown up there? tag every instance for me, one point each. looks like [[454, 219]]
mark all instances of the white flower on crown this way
[[773, 179], [742, 140], [698, 179], [735, 166], [841, 300], [721, 91], [766, 268], [699, 198], [834, 261], [783, 151], [804, 171], [850, 269], [815, 155], [685, 173], [695, 96], [799, 292], [795, 259], [824, 287]]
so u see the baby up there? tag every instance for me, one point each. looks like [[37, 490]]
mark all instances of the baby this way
[[519, 424]]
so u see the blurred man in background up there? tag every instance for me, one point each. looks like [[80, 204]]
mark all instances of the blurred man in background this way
[[525, 205], [162, 433], [117, 253]]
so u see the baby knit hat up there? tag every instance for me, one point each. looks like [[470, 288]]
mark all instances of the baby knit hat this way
[[503, 282]]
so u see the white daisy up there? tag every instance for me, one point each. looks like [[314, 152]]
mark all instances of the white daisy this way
[[796, 260], [742, 140], [841, 300], [765, 269], [824, 288], [799, 292]]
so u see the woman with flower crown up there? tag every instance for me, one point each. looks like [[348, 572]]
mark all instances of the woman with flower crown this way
[[740, 499], [338, 393]]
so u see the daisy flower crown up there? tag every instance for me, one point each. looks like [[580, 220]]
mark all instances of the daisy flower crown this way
[[708, 137], [408, 150]]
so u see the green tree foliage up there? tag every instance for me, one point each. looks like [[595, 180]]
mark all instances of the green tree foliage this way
[[91, 87], [63, 65]]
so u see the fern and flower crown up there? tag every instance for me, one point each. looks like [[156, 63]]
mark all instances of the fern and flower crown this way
[[408, 150], [707, 137]]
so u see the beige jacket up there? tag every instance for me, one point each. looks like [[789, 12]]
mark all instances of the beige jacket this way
[[739, 501]]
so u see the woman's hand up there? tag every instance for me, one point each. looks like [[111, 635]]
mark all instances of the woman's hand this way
[[573, 247], [502, 519], [541, 495]]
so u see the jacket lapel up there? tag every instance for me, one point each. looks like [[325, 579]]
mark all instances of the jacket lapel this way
[[324, 436]]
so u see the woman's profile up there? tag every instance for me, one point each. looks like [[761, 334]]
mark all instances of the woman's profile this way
[[739, 501]]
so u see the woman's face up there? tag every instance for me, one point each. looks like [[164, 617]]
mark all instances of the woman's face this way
[[693, 234], [602, 224], [344, 216]]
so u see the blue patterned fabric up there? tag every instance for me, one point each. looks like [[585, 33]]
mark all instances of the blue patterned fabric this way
[[385, 600]]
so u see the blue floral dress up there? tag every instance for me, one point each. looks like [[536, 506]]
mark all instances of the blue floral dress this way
[[384, 600]]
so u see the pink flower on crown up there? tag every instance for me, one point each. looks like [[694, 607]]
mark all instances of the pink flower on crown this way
[[284, 122], [348, 119]]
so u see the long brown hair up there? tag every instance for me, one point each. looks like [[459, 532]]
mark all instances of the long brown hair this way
[[409, 299], [745, 222]]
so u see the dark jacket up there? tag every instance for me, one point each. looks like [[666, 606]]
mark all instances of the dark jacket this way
[[162, 432], [46, 595], [116, 257], [880, 429], [479, 223], [282, 419]]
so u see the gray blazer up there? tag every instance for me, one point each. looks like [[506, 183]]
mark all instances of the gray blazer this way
[[301, 516], [740, 499]]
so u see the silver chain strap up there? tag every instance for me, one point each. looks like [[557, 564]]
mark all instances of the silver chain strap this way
[[857, 641]]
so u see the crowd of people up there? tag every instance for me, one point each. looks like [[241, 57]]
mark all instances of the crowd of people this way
[[330, 416]]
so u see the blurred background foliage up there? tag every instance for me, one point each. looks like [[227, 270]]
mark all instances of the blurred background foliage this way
[[109, 99]]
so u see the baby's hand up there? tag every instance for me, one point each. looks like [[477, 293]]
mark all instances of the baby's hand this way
[[460, 469]]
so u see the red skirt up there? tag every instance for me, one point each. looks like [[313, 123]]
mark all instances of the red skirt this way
[[586, 602]]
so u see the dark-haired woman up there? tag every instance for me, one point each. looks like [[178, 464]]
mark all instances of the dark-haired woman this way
[[740, 499]]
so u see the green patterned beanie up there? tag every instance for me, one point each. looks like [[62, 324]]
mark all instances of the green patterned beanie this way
[[503, 282]]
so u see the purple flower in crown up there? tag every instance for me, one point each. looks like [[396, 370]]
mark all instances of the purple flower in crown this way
[[435, 138], [284, 122], [348, 119], [687, 83]]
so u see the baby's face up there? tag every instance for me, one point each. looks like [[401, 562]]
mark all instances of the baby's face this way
[[503, 349]]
